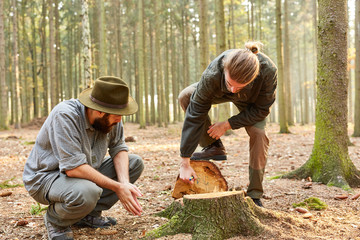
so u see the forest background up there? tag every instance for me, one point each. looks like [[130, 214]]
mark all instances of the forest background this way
[[158, 48]]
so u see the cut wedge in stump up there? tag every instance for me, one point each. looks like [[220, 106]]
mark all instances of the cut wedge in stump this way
[[209, 179]]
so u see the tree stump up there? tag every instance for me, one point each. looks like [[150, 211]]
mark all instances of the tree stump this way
[[217, 215], [209, 179]]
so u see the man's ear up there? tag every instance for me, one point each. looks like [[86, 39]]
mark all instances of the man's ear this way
[[99, 113]]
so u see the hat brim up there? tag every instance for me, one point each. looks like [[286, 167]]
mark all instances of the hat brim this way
[[131, 108]]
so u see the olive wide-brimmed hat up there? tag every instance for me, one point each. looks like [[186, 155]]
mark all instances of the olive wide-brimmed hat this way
[[109, 95]]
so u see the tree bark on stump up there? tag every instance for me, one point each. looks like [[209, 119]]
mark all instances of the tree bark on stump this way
[[217, 215]]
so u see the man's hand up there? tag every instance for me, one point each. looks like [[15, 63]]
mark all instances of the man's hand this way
[[218, 129], [187, 173], [128, 194]]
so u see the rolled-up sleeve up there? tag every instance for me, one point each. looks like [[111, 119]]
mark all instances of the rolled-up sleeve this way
[[66, 142]]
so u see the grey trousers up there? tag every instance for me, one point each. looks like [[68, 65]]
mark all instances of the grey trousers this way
[[259, 144], [71, 199]]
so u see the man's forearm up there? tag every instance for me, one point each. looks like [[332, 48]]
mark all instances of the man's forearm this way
[[85, 171], [121, 163]]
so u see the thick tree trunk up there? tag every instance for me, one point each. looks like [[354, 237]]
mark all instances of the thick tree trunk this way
[[329, 162]]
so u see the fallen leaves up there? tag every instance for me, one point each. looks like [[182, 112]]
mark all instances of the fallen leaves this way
[[341, 197], [356, 196], [5, 194]]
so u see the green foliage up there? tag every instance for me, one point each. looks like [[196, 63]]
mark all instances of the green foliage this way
[[37, 209], [312, 203], [29, 142], [5, 184]]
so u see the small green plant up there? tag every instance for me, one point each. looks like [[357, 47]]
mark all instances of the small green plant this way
[[311, 203], [29, 142], [156, 177], [37, 209], [5, 184]]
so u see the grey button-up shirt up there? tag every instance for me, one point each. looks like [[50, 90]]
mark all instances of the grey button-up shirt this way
[[65, 141]]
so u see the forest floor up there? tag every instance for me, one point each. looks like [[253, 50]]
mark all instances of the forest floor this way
[[159, 148]]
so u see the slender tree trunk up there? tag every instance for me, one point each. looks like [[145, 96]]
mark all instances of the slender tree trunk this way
[[102, 38], [4, 122], [306, 83], [52, 56], [173, 71], [252, 20], [152, 74], [140, 52], [24, 77], [86, 53], [58, 63], [301, 85], [166, 70], [36, 95], [281, 89], [233, 24], [16, 84], [287, 63], [204, 33], [119, 44], [357, 71], [45, 111], [159, 75]]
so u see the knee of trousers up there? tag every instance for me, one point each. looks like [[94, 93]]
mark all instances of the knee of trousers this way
[[257, 134], [136, 168], [83, 196], [185, 95]]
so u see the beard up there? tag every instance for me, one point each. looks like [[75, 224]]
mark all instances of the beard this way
[[102, 124]]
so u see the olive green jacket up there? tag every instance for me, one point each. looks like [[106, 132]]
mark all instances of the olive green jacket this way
[[253, 102]]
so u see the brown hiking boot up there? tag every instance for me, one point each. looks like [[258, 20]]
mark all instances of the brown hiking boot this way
[[215, 151]]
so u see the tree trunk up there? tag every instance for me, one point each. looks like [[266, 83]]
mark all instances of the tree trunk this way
[[159, 75], [204, 33], [16, 85], [119, 54], [36, 95], [24, 43], [233, 23], [329, 162], [102, 38], [52, 55], [357, 72], [45, 111], [287, 63], [173, 70], [58, 63], [281, 89], [306, 82], [86, 44], [152, 76], [4, 122], [166, 70], [140, 51]]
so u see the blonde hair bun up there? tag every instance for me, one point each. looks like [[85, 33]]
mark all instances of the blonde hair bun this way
[[254, 47]]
